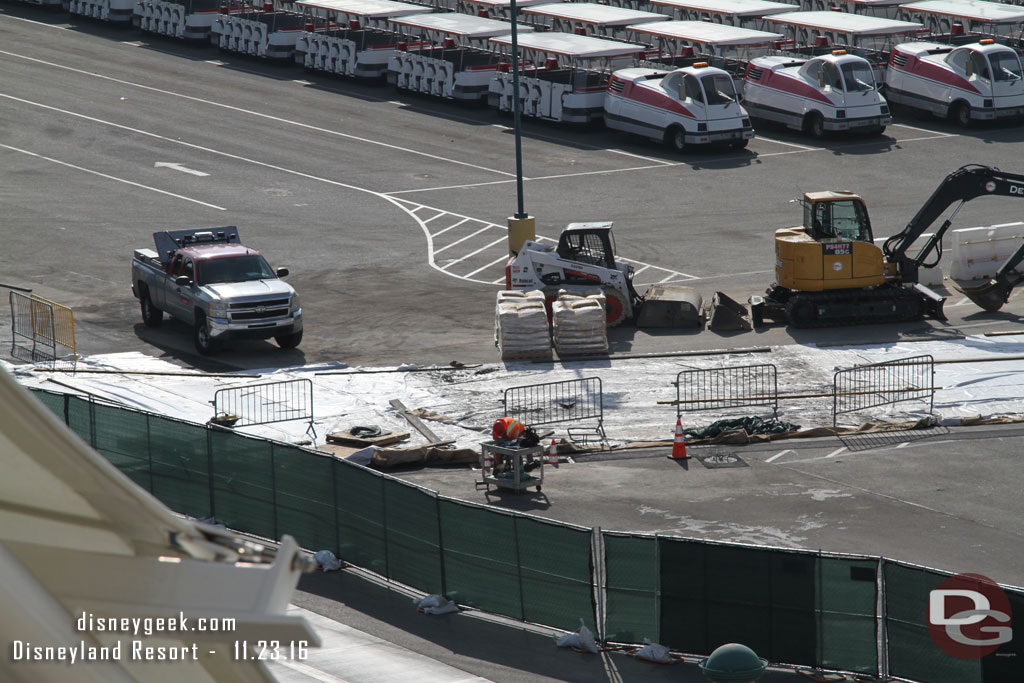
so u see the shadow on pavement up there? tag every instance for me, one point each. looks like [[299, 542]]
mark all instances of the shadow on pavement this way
[[476, 643]]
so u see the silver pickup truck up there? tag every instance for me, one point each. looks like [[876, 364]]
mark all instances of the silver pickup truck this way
[[225, 290]]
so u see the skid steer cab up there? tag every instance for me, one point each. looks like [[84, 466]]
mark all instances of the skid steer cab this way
[[584, 258]]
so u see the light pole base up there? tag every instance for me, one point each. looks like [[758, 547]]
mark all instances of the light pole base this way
[[520, 230]]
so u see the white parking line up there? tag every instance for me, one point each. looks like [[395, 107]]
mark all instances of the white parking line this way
[[450, 227], [463, 239], [925, 130], [473, 253], [276, 119], [779, 455], [503, 258], [788, 144], [110, 177]]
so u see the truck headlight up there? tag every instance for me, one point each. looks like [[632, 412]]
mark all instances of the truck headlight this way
[[295, 305], [218, 309]]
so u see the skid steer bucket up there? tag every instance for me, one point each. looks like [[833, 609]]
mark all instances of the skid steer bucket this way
[[727, 314], [989, 296], [671, 306]]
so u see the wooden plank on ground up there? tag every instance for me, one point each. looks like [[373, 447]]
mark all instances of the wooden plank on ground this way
[[346, 437], [415, 421]]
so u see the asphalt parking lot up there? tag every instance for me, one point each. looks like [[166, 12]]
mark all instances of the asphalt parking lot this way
[[389, 210], [390, 213]]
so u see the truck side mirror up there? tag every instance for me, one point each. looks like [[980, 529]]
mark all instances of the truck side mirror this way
[[183, 280], [282, 272]]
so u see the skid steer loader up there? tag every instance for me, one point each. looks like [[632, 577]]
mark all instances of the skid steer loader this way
[[585, 258]]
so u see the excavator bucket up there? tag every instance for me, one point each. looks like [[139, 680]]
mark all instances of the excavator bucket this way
[[989, 296], [727, 314], [671, 306]]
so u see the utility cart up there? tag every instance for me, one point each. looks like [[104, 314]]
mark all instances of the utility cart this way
[[516, 469]]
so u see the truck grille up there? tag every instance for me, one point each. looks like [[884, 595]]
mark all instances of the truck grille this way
[[259, 310]]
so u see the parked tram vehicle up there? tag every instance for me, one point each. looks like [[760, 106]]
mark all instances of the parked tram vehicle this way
[[351, 37], [819, 33], [453, 60], [982, 81], [566, 78]]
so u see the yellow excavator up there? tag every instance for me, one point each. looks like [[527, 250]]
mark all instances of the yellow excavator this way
[[830, 272]]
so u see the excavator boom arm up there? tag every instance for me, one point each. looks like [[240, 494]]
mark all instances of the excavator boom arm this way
[[962, 185]]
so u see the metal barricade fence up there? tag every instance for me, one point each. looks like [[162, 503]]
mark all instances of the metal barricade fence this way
[[575, 400], [879, 384], [745, 385], [41, 327], [257, 404]]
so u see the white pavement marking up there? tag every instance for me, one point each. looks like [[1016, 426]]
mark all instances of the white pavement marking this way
[[474, 253], [925, 130], [410, 208], [450, 227], [501, 259], [788, 144], [269, 117], [110, 177], [463, 239], [779, 455], [38, 23], [179, 167]]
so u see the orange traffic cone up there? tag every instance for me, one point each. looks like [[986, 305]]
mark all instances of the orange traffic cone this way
[[553, 454], [488, 462], [679, 443]]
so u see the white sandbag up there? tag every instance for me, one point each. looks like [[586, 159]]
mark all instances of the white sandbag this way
[[435, 604], [583, 640], [654, 652], [326, 560]]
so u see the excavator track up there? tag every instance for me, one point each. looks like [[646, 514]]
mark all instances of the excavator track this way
[[857, 307]]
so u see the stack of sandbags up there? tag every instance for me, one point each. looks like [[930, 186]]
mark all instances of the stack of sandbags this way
[[579, 325], [521, 325]]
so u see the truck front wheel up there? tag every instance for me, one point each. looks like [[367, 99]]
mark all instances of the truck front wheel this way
[[151, 315], [289, 341], [204, 343]]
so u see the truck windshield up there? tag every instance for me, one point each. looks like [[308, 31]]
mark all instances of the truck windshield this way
[[858, 77], [718, 89], [234, 269], [1005, 66]]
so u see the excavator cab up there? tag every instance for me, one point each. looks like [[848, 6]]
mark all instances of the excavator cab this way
[[836, 215], [833, 249]]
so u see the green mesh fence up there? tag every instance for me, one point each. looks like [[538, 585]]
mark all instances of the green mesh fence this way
[[361, 520], [243, 483], [481, 560], [305, 497], [631, 588], [912, 652], [413, 536], [123, 438], [555, 563], [847, 602], [54, 402], [1006, 665], [79, 418], [791, 607], [180, 454]]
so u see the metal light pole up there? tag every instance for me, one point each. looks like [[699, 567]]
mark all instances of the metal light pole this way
[[521, 226]]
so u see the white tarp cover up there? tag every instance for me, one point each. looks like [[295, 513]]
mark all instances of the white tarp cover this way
[[986, 383]]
